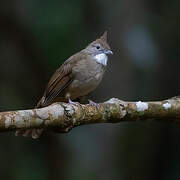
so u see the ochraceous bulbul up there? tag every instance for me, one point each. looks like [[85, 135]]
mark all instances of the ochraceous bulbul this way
[[76, 77]]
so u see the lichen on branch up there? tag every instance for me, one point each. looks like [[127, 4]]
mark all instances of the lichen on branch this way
[[62, 117]]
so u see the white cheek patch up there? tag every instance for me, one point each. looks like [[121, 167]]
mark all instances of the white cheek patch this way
[[102, 59]]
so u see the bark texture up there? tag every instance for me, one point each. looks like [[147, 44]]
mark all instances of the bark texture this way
[[62, 117]]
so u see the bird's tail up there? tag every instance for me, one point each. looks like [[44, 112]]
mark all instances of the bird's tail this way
[[40, 103]]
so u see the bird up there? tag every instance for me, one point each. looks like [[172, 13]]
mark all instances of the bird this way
[[75, 78]]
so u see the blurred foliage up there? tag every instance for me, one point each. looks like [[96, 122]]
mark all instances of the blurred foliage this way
[[37, 36]]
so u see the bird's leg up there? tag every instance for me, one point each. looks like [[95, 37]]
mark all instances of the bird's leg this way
[[93, 103], [73, 103]]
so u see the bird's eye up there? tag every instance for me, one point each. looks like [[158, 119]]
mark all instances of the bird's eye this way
[[97, 47]]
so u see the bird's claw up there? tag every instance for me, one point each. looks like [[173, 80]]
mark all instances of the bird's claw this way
[[73, 103], [93, 103]]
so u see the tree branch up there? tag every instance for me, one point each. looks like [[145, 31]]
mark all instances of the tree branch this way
[[63, 117]]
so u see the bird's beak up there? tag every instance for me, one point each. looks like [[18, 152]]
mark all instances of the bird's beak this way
[[108, 52]]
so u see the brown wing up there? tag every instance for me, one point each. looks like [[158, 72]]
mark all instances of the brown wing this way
[[58, 82], [61, 79]]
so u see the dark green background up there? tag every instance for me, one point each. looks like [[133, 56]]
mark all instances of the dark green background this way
[[36, 36]]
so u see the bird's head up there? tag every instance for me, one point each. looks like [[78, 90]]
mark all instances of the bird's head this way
[[99, 46]]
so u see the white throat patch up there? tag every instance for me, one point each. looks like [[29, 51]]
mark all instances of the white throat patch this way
[[101, 58]]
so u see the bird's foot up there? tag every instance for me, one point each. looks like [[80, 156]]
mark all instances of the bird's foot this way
[[73, 103], [93, 103]]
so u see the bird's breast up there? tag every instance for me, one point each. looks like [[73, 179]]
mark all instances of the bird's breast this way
[[87, 76]]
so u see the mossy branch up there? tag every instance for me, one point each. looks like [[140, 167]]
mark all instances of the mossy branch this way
[[63, 117]]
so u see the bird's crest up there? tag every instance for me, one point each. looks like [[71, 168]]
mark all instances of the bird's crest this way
[[103, 41]]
